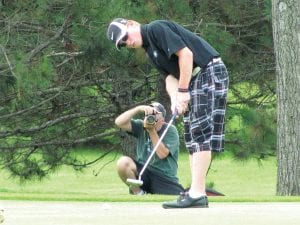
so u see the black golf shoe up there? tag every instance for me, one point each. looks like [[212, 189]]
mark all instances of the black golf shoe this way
[[185, 201]]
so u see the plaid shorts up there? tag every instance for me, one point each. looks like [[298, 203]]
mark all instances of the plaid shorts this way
[[204, 122]]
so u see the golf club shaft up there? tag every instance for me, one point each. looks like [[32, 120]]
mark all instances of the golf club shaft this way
[[157, 144]]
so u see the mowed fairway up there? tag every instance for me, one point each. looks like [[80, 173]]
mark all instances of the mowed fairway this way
[[239, 181], [90, 213], [68, 198]]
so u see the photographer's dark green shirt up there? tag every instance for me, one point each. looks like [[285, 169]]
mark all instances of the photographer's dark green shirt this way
[[166, 167]]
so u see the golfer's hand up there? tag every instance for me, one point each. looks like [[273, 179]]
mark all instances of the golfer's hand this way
[[182, 102]]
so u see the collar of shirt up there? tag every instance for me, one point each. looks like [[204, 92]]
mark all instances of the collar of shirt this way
[[144, 36]]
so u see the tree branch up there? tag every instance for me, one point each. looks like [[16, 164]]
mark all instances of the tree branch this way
[[233, 25], [49, 123], [72, 54], [65, 142], [42, 46], [7, 60], [34, 106]]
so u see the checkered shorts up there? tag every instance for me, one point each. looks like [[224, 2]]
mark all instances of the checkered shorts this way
[[204, 122]]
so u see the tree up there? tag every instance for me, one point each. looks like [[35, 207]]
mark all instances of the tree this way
[[287, 49], [62, 83]]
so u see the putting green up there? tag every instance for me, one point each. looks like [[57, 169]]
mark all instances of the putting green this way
[[90, 213]]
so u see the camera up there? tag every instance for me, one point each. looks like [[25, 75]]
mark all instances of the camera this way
[[151, 119]]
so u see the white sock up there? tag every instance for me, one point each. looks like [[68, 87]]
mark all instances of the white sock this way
[[196, 194], [141, 192]]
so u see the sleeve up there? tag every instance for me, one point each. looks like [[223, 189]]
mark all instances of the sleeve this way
[[137, 127], [166, 39], [171, 140]]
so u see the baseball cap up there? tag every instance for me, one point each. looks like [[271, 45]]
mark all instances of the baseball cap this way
[[117, 31], [159, 107]]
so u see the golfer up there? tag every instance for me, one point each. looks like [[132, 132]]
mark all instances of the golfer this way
[[160, 176], [197, 83]]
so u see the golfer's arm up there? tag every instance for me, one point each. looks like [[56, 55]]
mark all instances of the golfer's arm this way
[[172, 87], [185, 61], [162, 151], [123, 121]]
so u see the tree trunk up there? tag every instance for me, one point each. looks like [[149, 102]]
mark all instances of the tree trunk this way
[[286, 33]]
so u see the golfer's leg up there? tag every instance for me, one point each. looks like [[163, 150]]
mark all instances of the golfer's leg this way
[[188, 138], [191, 164], [126, 168], [200, 163], [201, 130]]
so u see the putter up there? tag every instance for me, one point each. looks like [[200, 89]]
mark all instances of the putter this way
[[138, 182]]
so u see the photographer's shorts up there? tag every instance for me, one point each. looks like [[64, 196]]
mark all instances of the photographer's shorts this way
[[204, 122], [154, 183]]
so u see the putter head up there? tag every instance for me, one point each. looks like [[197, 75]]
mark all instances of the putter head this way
[[134, 182]]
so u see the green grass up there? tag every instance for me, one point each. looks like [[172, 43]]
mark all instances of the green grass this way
[[239, 181]]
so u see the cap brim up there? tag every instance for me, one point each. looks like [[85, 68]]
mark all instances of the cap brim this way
[[122, 34], [159, 107], [118, 45]]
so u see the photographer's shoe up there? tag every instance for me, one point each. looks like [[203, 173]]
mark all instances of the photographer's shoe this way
[[185, 201], [141, 192]]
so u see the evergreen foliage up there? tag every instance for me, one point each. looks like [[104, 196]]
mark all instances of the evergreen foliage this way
[[62, 82]]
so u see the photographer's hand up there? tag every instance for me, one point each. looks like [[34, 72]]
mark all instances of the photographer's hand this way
[[161, 151], [123, 121], [149, 127], [149, 110]]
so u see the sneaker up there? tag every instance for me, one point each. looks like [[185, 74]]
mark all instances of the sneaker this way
[[185, 201], [141, 192]]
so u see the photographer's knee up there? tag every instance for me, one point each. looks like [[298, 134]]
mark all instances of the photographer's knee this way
[[124, 163]]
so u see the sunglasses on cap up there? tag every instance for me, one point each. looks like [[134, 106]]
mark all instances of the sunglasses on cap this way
[[122, 42]]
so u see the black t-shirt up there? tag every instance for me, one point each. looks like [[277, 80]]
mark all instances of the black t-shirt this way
[[162, 39]]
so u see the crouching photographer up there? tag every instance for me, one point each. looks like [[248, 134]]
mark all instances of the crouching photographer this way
[[160, 176]]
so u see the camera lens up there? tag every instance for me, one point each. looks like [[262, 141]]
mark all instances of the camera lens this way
[[151, 119]]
